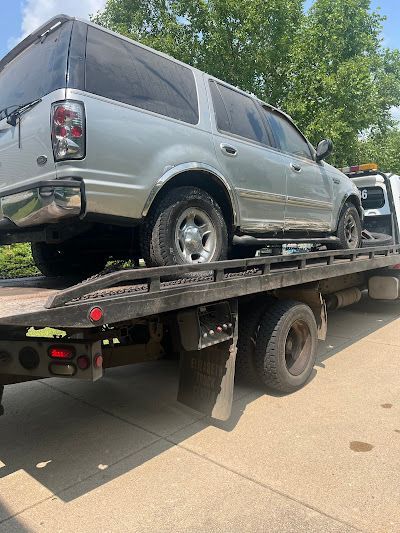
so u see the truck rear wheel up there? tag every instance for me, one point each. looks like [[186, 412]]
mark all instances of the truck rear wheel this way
[[286, 346], [66, 259], [185, 227], [249, 324]]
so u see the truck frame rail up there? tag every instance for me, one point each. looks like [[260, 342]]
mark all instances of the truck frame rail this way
[[125, 295]]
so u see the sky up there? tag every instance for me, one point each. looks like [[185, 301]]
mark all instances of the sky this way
[[20, 17]]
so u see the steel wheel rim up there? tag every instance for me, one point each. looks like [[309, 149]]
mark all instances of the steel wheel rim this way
[[298, 345], [195, 236], [351, 231]]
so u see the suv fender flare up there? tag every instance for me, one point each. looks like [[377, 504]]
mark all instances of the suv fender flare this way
[[354, 199], [173, 171]]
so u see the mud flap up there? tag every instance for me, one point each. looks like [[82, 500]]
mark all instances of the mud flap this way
[[207, 375]]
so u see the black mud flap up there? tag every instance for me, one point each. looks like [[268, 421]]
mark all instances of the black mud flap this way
[[207, 375]]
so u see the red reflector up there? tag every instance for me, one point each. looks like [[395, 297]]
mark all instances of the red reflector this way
[[83, 362], [96, 314], [98, 361], [61, 352], [76, 131], [61, 131], [396, 267], [62, 115]]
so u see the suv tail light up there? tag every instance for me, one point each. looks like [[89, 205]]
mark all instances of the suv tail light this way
[[68, 130]]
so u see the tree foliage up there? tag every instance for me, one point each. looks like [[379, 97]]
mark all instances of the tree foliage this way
[[383, 149], [343, 82], [326, 67], [245, 43]]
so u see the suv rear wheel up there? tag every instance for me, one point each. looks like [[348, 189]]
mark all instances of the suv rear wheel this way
[[185, 227], [67, 259]]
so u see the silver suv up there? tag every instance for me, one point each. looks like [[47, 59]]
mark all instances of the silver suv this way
[[111, 149]]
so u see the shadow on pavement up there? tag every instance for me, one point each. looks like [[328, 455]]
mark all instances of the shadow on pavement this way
[[66, 438]]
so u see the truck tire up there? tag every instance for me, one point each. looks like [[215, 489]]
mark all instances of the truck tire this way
[[376, 239], [249, 324], [349, 228], [65, 259], [286, 346], [185, 227]]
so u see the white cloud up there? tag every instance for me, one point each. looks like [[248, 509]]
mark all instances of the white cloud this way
[[36, 12]]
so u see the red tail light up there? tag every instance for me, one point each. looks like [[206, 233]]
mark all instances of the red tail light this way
[[61, 352], [68, 130]]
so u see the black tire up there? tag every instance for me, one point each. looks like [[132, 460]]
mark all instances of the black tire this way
[[67, 259], [377, 239], [277, 366], [158, 233], [348, 241], [249, 324]]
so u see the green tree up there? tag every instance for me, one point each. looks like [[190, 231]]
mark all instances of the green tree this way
[[245, 43], [343, 81], [383, 149]]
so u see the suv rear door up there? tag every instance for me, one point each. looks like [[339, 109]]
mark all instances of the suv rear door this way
[[243, 148], [309, 186], [36, 72]]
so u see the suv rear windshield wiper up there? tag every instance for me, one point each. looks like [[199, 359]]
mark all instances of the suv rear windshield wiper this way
[[18, 111]]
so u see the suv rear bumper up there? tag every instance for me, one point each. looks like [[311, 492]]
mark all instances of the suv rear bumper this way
[[46, 202]]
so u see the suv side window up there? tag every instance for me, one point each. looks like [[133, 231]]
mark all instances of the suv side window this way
[[238, 114], [130, 74], [288, 137]]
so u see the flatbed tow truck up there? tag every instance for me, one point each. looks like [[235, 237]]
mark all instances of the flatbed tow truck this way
[[261, 316]]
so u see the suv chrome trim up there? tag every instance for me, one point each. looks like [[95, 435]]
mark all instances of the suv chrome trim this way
[[43, 204], [308, 202], [261, 195], [184, 167]]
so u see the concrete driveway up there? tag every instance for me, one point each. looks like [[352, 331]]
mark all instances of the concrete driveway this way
[[123, 455]]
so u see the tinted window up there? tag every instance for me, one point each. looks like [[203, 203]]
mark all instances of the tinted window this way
[[128, 73], [372, 197], [237, 113], [37, 70], [288, 137]]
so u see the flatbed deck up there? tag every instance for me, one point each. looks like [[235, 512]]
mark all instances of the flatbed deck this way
[[128, 294]]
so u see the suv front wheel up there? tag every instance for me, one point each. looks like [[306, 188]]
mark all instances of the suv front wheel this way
[[349, 228], [186, 227]]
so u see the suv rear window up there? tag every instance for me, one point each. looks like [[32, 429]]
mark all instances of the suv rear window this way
[[36, 71], [372, 197], [128, 73]]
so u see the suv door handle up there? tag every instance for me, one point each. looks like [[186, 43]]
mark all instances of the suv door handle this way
[[228, 150], [295, 167]]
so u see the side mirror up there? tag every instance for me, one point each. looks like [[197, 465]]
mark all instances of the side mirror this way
[[324, 149]]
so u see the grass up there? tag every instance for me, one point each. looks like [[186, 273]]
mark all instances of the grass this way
[[47, 333]]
